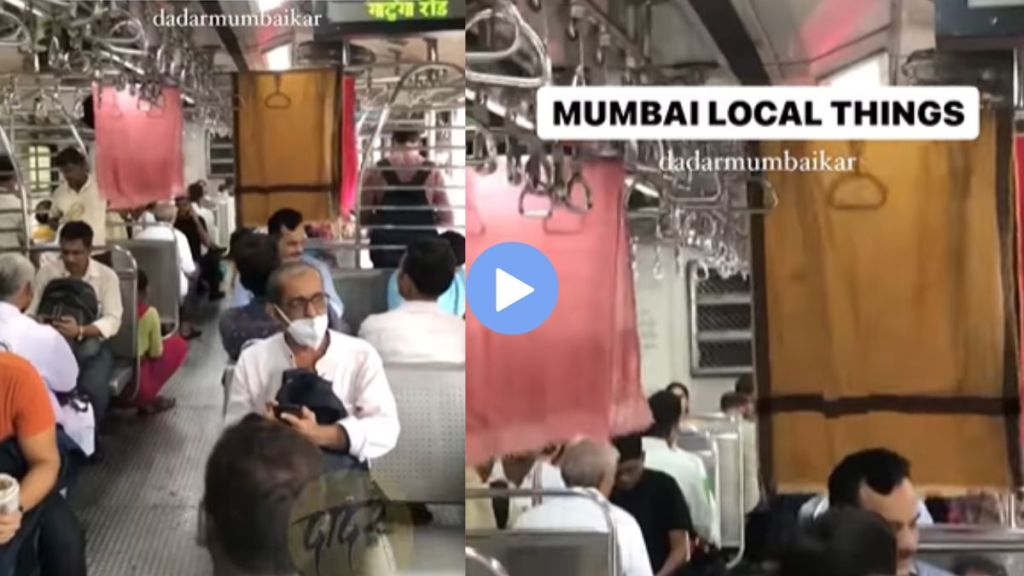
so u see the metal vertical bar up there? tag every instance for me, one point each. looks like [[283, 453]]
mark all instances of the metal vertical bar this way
[[22, 189], [430, 118], [895, 30]]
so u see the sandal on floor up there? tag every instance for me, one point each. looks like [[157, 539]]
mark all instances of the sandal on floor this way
[[161, 404]]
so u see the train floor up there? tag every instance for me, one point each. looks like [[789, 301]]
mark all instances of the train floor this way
[[139, 506]]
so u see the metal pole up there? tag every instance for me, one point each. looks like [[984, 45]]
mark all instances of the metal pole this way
[[430, 118]]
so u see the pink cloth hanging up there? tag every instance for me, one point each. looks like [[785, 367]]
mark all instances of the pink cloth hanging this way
[[138, 151], [349, 146], [579, 373]]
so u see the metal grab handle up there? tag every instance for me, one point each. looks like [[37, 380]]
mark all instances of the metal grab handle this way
[[836, 202], [535, 42], [577, 180], [488, 563], [769, 194], [495, 55], [540, 214], [22, 37], [277, 100]]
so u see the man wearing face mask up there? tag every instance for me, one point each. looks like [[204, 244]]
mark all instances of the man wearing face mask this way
[[351, 367]]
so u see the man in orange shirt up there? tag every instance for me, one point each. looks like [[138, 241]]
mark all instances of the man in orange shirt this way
[[29, 453]]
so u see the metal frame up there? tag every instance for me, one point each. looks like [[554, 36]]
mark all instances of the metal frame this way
[[586, 493]]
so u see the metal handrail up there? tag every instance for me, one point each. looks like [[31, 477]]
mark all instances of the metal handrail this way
[[489, 564]]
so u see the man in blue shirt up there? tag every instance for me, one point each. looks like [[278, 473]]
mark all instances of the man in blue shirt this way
[[285, 226], [454, 299]]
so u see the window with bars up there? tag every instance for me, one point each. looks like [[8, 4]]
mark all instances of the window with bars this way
[[42, 175], [721, 324], [220, 156]]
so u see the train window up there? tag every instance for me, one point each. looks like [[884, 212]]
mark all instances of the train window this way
[[871, 71], [220, 156], [41, 176], [721, 324]]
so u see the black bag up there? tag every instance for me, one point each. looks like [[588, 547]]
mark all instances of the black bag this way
[[301, 387], [69, 297]]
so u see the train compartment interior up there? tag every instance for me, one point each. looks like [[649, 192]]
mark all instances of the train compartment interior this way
[[728, 263], [267, 105]]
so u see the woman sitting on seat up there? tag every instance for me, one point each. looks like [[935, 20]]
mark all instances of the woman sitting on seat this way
[[159, 358]]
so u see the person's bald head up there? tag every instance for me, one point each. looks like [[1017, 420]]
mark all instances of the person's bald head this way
[[165, 212], [590, 464]]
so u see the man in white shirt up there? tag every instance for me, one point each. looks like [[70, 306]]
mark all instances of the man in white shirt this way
[[419, 330], [588, 464], [351, 366], [662, 453], [165, 231], [89, 342], [78, 199], [42, 346]]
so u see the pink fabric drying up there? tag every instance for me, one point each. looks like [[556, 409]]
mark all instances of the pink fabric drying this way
[[579, 373], [349, 145], [138, 150]]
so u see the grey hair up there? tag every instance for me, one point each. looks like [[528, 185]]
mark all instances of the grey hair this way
[[586, 463], [15, 272], [283, 273], [165, 212]]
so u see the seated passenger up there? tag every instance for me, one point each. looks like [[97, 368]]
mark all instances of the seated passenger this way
[[78, 198], [662, 454], [737, 405], [165, 214], [159, 359], [419, 330], [29, 453], [740, 408], [285, 227], [89, 342], [658, 505], [351, 368], [842, 543], [453, 300], [878, 480], [519, 471], [255, 475], [256, 259], [588, 464], [44, 347]]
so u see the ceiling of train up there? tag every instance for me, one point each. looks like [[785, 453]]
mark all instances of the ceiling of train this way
[[793, 41], [245, 47]]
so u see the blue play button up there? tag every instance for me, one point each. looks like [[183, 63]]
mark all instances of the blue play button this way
[[512, 288]]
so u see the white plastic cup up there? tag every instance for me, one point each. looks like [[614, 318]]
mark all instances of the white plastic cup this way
[[10, 494]]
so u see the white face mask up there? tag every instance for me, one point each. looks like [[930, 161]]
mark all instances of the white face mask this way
[[307, 332]]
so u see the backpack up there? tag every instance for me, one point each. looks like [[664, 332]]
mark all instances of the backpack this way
[[70, 297]]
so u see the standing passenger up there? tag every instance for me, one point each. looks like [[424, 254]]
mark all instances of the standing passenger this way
[[404, 180], [78, 199], [204, 252]]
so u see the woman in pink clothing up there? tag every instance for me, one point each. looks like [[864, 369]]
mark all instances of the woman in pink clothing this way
[[159, 358]]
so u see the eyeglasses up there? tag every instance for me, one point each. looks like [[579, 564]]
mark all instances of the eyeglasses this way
[[298, 306]]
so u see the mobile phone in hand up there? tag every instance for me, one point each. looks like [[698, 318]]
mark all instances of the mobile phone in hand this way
[[293, 409]]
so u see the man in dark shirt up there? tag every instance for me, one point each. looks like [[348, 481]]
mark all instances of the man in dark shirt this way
[[256, 258], [658, 505], [195, 229]]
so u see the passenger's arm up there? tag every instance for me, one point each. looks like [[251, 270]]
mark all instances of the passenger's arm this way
[[43, 459], [110, 300], [241, 398], [439, 199], [188, 265], [373, 430], [679, 552], [152, 331]]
